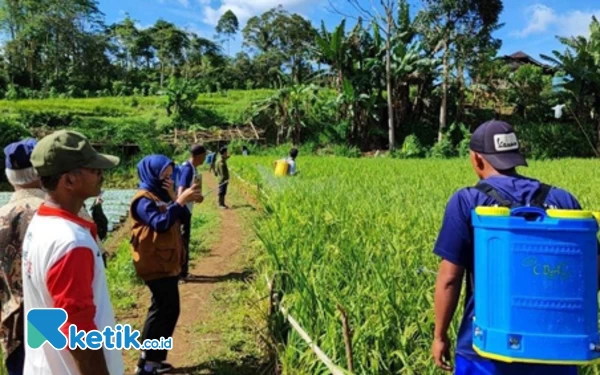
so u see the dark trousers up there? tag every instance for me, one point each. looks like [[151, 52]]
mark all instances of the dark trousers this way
[[185, 233], [222, 192], [15, 361], [162, 315]]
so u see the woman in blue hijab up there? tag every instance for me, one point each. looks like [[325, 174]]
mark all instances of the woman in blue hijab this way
[[157, 214], [155, 172]]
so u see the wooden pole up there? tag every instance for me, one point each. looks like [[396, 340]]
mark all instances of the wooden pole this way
[[253, 128]]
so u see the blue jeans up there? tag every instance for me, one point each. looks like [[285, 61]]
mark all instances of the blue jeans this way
[[464, 366], [16, 361]]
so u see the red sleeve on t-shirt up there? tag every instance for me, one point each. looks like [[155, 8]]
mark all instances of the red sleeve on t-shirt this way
[[69, 282]]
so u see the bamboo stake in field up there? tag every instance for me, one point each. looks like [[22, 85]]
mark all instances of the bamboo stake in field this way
[[335, 370]]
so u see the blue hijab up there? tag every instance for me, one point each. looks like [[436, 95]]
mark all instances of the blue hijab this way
[[149, 170]]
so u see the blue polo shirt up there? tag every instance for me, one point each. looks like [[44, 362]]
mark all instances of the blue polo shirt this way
[[186, 175], [455, 244]]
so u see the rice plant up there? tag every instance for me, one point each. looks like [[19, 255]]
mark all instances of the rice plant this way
[[357, 233]]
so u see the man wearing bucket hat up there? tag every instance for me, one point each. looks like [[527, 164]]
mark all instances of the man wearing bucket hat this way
[[495, 154], [62, 266]]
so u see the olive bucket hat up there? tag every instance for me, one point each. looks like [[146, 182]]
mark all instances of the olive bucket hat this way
[[65, 150]]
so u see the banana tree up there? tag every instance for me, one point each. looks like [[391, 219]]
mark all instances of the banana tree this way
[[181, 96], [288, 110], [581, 68], [332, 49], [409, 66]]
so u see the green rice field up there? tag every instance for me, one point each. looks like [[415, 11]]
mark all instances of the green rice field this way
[[357, 233]]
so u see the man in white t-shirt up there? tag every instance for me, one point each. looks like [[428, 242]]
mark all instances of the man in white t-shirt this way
[[62, 266], [291, 160]]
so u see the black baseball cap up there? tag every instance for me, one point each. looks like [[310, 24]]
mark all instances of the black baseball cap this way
[[497, 143]]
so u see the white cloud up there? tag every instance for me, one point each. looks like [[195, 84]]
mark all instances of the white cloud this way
[[194, 28], [183, 3], [540, 17], [577, 23], [140, 26], [543, 19], [245, 9], [191, 15]]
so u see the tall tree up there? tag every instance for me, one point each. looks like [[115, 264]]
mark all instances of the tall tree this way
[[283, 35], [125, 37], [170, 42], [227, 27], [49, 40], [455, 25]]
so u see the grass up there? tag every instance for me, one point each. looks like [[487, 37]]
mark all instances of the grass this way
[[117, 124], [354, 233], [229, 105]]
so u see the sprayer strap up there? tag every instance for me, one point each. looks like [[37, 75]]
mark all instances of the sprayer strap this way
[[539, 198], [493, 193]]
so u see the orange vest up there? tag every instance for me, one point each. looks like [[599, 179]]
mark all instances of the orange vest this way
[[155, 255]]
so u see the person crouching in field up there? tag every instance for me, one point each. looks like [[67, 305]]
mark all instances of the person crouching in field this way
[[157, 214], [494, 156], [291, 160]]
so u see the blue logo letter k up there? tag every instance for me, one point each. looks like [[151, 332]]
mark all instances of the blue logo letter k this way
[[44, 325]]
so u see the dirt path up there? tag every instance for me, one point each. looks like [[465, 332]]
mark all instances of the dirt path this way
[[195, 295], [224, 263]]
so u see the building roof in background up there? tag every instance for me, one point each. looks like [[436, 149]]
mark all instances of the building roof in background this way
[[520, 58]]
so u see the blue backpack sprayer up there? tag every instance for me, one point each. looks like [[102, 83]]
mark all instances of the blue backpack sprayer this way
[[535, 283]]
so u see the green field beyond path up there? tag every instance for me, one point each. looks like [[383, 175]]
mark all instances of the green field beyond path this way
[[125, 120], [356, 233]]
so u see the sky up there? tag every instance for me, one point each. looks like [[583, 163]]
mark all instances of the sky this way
[[530, 26]]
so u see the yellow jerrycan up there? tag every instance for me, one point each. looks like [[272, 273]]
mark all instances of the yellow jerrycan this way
[[281, 167]]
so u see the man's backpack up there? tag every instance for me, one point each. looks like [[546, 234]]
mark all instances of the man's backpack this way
[[209, 158], [538, 199]]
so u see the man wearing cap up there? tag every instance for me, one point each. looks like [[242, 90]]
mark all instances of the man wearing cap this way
[[14, 219], [187, 175], [16, 214], [495, 154], [62, 266], [28, 189]]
